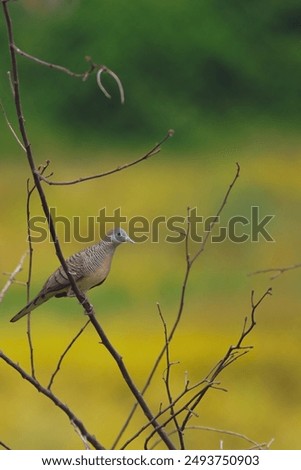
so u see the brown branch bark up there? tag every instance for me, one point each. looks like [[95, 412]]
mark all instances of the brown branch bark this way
[[65, 353], [93, 67], [277, 271], [156, 149], [255, 445], [4, 446], [189, 263], [12, 276], [233, 353], [166, 379], [230, 356], [46, 392], [80, 296]]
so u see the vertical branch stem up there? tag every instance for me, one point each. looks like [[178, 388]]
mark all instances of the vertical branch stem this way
[[64, 354], [29, 276], [80, 296], [167, 381], [90, 438], [189, 263]]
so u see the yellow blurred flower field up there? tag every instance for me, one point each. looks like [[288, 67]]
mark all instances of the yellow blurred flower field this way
[[262, 397]]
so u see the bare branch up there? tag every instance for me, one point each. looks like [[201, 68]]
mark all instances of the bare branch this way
[[11, 127], [105, 69], [229, 357], [176, 400], [64, 354], [41, 169], [60, 68], [215, 219], [29, 275], [82, 438], [46, 392], [166, 379], [277, 271], [119, 361], [187, 235], [12, 276], [80, 296], [156, 149], [84, 75], [190, 406], [255, 445], [189, 263], [4, 446]]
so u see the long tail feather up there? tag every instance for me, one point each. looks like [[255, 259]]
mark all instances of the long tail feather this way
[[38, 300]]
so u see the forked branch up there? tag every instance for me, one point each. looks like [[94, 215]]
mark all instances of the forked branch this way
[[84, 75], [189, 263], [88, 308], [12, 276], [154, 150], [276, 271], [46, 392], [233, 353]]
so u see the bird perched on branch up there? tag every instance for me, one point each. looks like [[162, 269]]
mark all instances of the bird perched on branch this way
[[89, 268]]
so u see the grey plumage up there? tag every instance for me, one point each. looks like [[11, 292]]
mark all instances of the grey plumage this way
[[89, 268]]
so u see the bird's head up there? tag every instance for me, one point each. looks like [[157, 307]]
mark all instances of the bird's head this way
[[118, 236]]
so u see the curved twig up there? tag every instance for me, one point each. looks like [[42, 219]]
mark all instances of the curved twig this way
[[105, 69], [46, 392], [12, 276], [189, 262], [277, 271], [79, 295], [255, 445], [84, 75], [156, 149], [64, 354]]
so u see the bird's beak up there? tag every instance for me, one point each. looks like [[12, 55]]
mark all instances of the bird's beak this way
[[128, 239]]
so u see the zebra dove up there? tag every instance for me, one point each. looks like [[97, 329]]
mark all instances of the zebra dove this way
[[89, 268]]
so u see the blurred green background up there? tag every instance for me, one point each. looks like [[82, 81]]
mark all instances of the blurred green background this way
[[226, 76]]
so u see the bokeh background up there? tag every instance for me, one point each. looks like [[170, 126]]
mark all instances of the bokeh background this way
[[226, 76]]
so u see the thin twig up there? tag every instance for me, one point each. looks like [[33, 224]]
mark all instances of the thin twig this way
[[119, 361], [229, 354], [105, 69], [11, 127], [42, 169], [189, 263], [15, 281], [60, 68], [165, 409], [4, 446], [12, 276], [216, 217], [166, 379], [209, 381], [156, 149], [79, 295], [29, 276], [48, 393], [82, 438], [255, 445], [84, 75], [277, 271], [64, 354]]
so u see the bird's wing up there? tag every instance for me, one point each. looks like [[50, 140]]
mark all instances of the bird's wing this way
[[58, 281]]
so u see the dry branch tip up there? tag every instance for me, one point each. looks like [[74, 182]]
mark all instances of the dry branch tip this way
[[105, 69]]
